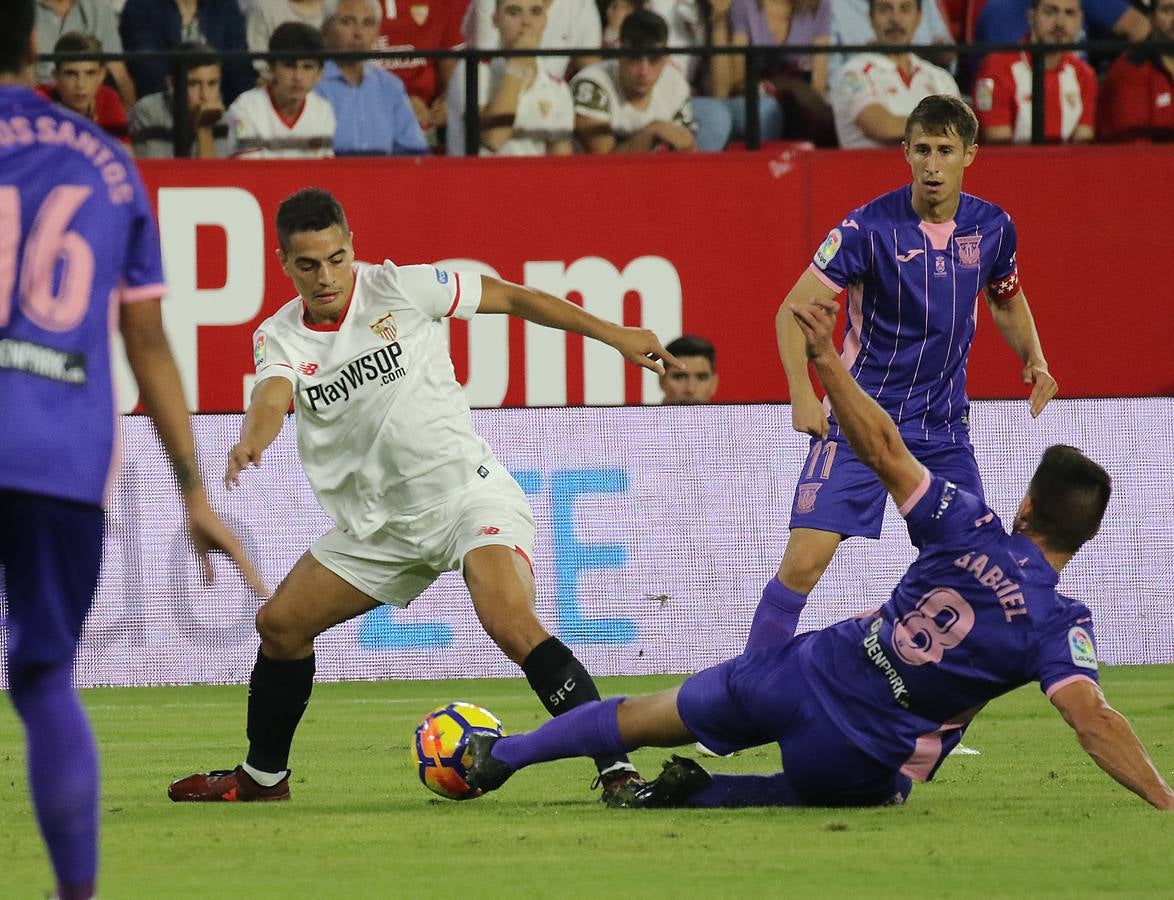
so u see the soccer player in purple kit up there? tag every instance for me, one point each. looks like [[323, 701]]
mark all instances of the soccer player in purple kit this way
[[914, 262], [79, 250], [862, 708]]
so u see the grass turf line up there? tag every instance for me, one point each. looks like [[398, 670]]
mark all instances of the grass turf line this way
[[1031, 817]]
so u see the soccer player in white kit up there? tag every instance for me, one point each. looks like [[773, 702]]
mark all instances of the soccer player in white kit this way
[[387, 442]]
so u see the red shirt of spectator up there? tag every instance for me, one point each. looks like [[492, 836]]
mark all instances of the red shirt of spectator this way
[[420, 25], [1002, 95], [107, 112], [1137, 100]]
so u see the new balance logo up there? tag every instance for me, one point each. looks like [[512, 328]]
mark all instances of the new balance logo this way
[[489, 529], [905, 257], [308, 368]]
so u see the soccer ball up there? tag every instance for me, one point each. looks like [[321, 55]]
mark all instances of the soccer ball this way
[[441, 741]]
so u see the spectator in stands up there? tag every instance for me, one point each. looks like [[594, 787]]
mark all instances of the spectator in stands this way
[[1002, 92], [423, 25], [874, 93], [56, 18], [1137, 97], [1006, 21], [152, 125], [798, 82], [570, 25], [77, 85], [285, 119], [525, 111], [637, 103], [697, 382], [372, 114], [165, 24], [852, 24], [264, 16]]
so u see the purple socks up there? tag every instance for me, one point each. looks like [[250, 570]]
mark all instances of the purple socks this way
[[776, 617], [747, 790], [588, 730], [63, 772]]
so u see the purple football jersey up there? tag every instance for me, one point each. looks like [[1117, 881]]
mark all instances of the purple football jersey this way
[[976, 615], [913, 290], [77, 237]]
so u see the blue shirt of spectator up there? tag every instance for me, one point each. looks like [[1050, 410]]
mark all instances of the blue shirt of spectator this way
[[1006, 20], [373, 117], [158, 25]]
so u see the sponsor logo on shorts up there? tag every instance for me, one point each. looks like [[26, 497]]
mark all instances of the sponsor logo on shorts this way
[[876, 655], [968, 250], [829, 248], [1080, 645], [806, 500]]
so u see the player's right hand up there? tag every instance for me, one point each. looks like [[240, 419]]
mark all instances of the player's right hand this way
[[240, 457], [210, 534], [808, 417]]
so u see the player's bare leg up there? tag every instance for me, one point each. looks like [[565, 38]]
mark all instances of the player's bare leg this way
[[501, 585], [310, 600]]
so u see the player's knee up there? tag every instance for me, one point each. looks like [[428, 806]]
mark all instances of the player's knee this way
[[279, 634]]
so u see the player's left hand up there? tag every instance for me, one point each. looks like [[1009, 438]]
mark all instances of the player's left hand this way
[[1043, 387], [210, 534], [642, 347]]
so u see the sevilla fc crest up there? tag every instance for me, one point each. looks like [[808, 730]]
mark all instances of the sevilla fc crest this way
[[384, 326], [419, 13], [968, 254]]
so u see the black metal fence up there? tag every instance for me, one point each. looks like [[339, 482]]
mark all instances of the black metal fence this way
[[755, 58]]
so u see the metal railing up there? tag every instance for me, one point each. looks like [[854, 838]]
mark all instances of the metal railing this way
[[754, 56]]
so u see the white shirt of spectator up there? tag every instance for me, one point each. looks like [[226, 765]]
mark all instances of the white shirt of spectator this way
[[871, 78], [256, 129], [851, 25], [570, 24], [383, 426], [1071, 99], [597, 96], [685, 30], [546, 114]]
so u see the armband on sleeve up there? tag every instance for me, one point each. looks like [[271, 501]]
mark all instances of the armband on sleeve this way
[[1003, 289]]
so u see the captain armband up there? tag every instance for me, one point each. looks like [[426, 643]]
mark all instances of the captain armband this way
[[1003, 289]]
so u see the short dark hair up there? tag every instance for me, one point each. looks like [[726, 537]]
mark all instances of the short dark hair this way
[[310, 209], [296, 37], [941, 114], [18, 16], [197, 54], [693, 345], [644, 30], [79, 43], [1068, 493], [872, 3]]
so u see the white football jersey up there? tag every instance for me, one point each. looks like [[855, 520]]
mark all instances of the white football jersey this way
[[597, 95], [867, 79], [256, 130], [383, 426], [545, 113]]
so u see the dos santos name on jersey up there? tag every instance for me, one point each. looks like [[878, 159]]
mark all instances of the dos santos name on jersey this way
[[380, 365]]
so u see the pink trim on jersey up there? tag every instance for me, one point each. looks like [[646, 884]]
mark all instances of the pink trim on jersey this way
[[918, 492], [855, 325], [818, 273], [116, 449], [1064, 682], [456, 299], [142, 292], [939, 233], [926, 753]]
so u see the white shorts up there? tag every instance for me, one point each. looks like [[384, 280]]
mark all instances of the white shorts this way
[[400, 560]]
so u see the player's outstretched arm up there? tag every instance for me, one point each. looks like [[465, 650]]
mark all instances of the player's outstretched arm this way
[[807, 415], [162, 395], [262, 423], [1014, 320], [637, 345], [870, 430], [1108, 738]]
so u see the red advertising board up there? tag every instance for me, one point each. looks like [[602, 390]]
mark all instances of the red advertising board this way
[[701, 243]]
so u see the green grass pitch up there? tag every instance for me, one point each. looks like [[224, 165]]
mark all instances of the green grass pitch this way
[[1031, 817]]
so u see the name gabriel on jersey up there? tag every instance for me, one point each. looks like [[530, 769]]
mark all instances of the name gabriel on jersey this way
[[380, 365]]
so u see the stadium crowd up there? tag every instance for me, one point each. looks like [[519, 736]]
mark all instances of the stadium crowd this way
[[652, 100]]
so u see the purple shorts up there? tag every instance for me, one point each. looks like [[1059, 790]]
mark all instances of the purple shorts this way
[[51, 550], [763, 697], [838, 493]]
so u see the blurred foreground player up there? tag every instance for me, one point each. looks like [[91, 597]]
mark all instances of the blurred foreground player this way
[[76, 235], [387, 443], [914, 262], [862, 707]]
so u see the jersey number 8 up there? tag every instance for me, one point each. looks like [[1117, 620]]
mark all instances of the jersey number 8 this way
[[940, 622]]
